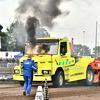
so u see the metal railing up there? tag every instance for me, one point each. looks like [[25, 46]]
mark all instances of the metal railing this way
[[8, 64]]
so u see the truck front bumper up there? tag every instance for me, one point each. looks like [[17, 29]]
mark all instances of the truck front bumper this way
[[35, 78], [18, 78]]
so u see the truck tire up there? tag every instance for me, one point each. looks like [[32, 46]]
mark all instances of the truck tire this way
[[89, 77], [58, 79], [21, 83]]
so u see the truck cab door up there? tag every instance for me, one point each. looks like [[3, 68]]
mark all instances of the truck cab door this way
[[63, 58]]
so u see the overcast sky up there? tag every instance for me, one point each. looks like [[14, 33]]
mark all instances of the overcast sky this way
[[82, 17]]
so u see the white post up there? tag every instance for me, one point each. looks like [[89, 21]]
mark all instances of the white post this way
[[0, 42], [39, 94], [83, 41]]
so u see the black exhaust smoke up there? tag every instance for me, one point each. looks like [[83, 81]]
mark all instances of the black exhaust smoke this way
[[45, 10], [31, 24]]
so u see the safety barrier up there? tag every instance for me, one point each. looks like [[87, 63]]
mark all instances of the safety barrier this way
[[8, 65], [3, 65], [11, 65]]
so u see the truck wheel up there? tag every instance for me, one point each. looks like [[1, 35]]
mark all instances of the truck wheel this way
[[89, 77], [21, 83], [58, 79]]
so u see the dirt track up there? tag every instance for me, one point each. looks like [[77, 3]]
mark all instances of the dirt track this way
[[68, 92], [6, 71], [11, 91]]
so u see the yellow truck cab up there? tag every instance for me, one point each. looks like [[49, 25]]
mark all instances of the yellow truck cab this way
[[54, 62]]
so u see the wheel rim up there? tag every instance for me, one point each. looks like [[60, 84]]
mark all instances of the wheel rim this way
[[61, 80], [90, 75]]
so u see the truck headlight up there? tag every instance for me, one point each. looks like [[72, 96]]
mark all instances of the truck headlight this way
[[46, 71], [16, 72]]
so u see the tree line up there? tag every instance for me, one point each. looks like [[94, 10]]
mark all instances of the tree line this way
[[15, 36]]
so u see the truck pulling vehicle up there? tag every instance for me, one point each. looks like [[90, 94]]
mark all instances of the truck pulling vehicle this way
[[55, 63]]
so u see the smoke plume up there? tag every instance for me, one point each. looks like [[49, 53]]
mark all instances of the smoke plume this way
[[45, 10], [31, 24]]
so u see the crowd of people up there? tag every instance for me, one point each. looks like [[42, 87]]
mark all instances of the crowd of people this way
[[9, 60]]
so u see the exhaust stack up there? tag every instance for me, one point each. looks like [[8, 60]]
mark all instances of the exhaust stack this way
[[72, 45]]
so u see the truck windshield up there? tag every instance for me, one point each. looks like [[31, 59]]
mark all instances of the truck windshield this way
[[42, 48]]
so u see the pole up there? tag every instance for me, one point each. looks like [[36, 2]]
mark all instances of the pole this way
[[96, 41], [0, 43], [83, 41]]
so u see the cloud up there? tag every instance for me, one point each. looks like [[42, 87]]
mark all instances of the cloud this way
[[83, 16], [7, 8], [2, 0]]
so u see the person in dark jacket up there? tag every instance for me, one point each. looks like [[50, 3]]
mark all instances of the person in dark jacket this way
[[28, 67]]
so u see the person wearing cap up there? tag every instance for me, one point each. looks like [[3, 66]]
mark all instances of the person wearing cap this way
[[28, 67]]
